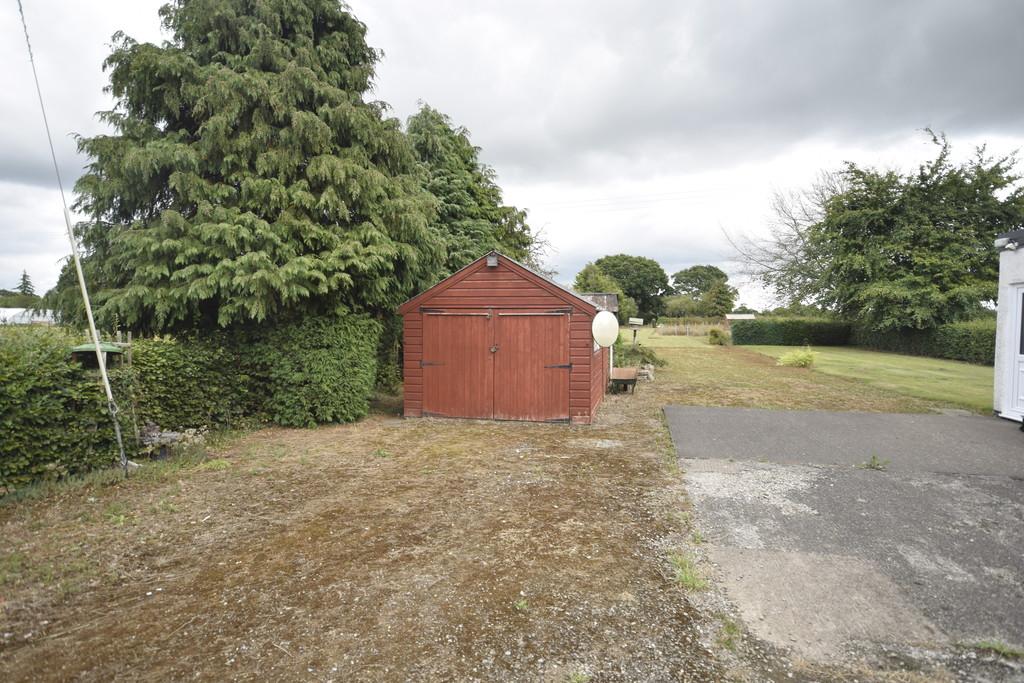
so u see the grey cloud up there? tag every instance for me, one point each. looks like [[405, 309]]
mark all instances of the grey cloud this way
[[662, 85]]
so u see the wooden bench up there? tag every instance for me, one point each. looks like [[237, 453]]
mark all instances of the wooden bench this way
[[623, 378]]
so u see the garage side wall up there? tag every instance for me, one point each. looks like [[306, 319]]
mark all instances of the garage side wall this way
[[580, 355]]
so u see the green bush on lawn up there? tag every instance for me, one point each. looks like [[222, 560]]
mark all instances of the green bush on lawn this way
[[790, 332], [628, 356], [718, 337], [798, 358]]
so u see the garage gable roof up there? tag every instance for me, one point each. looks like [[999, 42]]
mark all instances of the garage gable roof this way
[[481, 264]]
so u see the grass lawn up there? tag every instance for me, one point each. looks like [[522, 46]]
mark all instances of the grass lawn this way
[[933, 379], [647, 337]]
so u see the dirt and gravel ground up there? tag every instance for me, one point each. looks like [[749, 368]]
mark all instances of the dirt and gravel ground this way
[[404, 550]]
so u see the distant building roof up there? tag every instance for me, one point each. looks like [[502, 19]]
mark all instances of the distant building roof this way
[[604, 301], [24, 316], [740, 316]]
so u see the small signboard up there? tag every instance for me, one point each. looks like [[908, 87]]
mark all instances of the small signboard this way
[[636, 322]]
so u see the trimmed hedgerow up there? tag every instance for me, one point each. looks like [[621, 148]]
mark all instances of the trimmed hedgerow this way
[[790, 332], [295, 375], [973, 341], [319, 370], [190, 382], [53, 414]]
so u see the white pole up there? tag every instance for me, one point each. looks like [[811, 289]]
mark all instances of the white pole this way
[[100, 356]]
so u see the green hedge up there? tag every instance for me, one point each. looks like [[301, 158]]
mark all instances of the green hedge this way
[[972, 341], [790, 332], [317, 371], [53, 419], [53, 414], [190, 382]]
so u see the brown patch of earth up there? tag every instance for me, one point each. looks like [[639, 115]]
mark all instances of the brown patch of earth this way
[[393, 549]]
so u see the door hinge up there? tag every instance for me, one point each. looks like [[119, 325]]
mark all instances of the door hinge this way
[[560, 365]]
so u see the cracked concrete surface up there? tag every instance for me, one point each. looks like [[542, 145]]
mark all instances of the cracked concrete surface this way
[[826, 558]]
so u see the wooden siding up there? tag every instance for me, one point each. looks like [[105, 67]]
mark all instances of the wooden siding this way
[[508, 288]]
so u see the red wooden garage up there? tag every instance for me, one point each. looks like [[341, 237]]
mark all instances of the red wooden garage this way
[[498, 341]]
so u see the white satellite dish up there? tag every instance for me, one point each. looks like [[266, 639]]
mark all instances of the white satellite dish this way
[[605, 328]]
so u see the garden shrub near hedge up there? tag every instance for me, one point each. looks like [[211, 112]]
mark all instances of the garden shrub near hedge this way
[[973, 341], [53, 414], [319, 370], [790, 332]]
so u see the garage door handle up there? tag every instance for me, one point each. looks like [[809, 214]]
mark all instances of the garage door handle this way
[[494, 349], [561, 365]]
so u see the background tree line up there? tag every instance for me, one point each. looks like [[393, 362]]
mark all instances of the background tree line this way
[[644, 289], [892, 251]]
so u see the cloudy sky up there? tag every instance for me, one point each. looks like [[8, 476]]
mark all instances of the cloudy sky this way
[[647, 128]]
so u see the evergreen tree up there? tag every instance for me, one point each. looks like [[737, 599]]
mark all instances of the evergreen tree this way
[[247, 179], [719, 299], [25, 285], [593, 279], [471, 218]]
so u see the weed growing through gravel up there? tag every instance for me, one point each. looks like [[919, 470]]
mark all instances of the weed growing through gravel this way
[[729, 634], [522, 605], [875, 463], [578, 677], [118, 514], [215, 465], [999, 648], [686, 574]]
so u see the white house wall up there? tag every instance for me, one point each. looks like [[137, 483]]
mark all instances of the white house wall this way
[[1011, 272]]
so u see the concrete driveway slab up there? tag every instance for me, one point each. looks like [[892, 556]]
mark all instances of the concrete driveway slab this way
[[824, 557]]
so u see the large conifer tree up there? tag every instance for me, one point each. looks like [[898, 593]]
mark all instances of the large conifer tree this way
[[246, 178], [471, 219]]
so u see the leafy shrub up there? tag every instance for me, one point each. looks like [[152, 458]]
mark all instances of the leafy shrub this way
[[718, 337], [799, 358], [318, 370], [628, 356], [791, 332], [973, 341], [53, 414]]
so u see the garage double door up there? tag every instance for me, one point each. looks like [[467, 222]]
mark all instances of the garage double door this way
[[496, 365]]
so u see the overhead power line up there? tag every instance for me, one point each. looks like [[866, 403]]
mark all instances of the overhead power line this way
[[100, 356]]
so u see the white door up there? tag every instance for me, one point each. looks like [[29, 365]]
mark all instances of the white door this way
[[1016, 384]]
